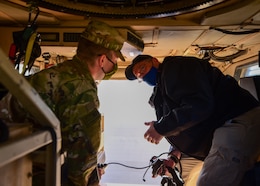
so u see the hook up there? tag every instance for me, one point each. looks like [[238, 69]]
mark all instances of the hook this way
[[32, 8]]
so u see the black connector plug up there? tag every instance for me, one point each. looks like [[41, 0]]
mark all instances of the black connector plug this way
[[101, 165]]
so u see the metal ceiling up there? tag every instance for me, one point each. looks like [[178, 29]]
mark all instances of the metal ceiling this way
[[166, 27], [125, 9]]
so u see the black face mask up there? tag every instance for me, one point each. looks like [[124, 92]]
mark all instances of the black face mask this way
[[150, 77]]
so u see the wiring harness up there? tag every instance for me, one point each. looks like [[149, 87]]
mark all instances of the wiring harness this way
[[156, 163]]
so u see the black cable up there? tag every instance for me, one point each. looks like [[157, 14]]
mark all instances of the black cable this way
[[144, 180], [133, 167], [236, 33], [180, 167], [226, 58], [177, 179]]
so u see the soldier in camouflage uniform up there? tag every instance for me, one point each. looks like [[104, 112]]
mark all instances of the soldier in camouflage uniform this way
[[70, 90]]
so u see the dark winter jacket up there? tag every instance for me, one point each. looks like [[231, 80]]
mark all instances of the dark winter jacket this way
[[192, 99]]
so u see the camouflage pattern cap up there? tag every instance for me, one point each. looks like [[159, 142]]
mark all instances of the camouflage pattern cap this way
[[104, 35]]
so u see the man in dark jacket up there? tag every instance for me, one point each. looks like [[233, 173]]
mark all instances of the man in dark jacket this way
[[202, 113]]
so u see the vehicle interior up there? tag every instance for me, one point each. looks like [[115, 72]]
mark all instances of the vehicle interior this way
[[226, 32]]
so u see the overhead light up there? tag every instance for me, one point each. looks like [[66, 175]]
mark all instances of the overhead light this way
[[131, 54], [129, 51], [133, 44]]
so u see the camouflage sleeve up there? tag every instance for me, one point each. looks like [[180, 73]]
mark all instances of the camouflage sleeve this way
[[81, 139], [74, 101]]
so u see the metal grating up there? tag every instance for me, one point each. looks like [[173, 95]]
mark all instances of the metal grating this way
[[127, 8], [71, 37]]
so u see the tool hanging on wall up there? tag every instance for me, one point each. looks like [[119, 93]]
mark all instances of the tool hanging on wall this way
[[26, 46]]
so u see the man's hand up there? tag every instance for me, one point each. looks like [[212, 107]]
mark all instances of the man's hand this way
[[151, 134], [160, 167], [167, 167], [101, 170]]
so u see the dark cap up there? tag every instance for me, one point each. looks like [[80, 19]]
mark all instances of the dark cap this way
[[104, 35], [129, 69]]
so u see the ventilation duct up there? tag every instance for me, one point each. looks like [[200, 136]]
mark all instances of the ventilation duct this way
[[133, 45]]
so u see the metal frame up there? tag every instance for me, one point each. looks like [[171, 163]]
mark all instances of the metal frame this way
[[31, 101]]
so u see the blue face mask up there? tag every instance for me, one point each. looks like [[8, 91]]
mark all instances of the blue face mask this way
[[150, 77]]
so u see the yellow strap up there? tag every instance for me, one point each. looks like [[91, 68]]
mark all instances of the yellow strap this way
[[29, 51]]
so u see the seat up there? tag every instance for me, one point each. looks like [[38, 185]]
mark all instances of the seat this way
[[252, 84]]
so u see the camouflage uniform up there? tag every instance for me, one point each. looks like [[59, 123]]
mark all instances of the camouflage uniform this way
[[71, 93]]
